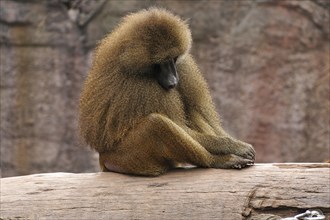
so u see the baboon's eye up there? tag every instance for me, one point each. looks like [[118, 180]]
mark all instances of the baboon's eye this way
[[155, 68]]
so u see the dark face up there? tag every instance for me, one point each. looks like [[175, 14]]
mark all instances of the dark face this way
[[166, 74]]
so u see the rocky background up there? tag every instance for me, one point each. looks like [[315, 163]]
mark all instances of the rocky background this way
[[266, 61]]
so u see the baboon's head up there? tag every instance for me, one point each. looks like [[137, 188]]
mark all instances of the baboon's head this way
[[151, 42]]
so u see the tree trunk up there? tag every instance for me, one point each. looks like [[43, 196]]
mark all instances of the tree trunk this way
[[278, 189]]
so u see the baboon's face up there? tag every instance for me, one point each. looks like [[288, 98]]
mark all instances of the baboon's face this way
[[165, 73], [149, 45]]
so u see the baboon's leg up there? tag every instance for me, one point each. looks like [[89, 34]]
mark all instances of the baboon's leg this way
[[156, 144], [153, 147]]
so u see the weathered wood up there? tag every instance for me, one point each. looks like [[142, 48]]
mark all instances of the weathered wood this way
[[280, 189]]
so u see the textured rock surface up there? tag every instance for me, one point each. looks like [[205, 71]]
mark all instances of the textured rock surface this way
[[267, 64], [42, 69]]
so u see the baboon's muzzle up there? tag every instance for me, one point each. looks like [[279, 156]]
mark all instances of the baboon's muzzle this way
[[168, 76]]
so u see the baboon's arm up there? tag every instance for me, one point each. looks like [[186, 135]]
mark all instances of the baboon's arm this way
[[214, 139], [224, 145]]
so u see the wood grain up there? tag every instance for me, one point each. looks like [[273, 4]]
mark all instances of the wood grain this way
[[281, 189]]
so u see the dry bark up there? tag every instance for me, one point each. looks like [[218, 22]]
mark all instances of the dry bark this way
[[277, 189]]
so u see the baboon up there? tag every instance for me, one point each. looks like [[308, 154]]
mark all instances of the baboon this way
[[145, 107]]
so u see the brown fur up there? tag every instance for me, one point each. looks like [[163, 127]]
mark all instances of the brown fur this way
[[137, 126]]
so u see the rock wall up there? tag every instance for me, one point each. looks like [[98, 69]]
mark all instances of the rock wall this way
[[267, 64], [43, 64]]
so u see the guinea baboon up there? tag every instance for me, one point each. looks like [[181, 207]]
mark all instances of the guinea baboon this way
[[145, 107]]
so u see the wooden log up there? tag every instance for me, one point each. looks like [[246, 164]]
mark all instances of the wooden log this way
[[280, 189]]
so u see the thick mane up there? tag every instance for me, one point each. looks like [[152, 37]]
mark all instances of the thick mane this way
[[147, 37], [141, 39]]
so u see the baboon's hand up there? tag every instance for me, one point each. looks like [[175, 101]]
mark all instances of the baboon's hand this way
[[244, 150], [231, 161], [241, 163], [226, 145]]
